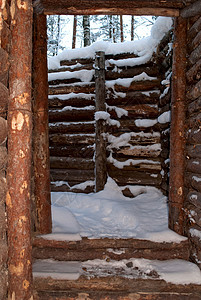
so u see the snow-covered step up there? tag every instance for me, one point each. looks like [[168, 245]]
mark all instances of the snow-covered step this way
[[134, 278], [117, 249], [71, 77]]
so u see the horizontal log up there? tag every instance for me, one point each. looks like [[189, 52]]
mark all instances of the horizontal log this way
[[132, 98], [195, 214], [141, 167], [194, 198], [193, 151], [74, 115], [166, 99], [135, 177], [71, 175], [64, 81], [118, 56], [4, 94], [71, 163], [84, 253], [194, 135], [72, 69], [82, 61], [75, 102], [194, 73], [195, 42], [195, 180], [3, 131], [145, 151], [66, 139], [72, 127], [195, 92], [150, 69], [114, 10], [65, 188], [194, 106], [195, 56], [194, 165], [194, 30], [72, 151], [139, 86], [90, 88], [191, 10], [129, 126], [194, 120], [137, 111]]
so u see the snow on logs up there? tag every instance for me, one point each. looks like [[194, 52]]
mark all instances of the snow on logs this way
[[132, 102]]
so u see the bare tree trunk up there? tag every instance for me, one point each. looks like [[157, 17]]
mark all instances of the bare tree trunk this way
[[110, 27], [121, 28], [19, 154], [86, 30], [132, 27], [58, 35], [74, 31]]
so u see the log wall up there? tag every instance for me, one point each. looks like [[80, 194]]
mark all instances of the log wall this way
[[4, 94], [133, 127], [193, 136]]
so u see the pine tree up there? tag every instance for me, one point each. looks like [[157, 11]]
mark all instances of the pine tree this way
[[86, 30], [74, 31]]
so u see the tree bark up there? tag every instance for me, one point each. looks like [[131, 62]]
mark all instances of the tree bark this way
[[177, 136], [40, 134], [74, 31], [19, 153], [121, 28], [132, 27], [86, 30]]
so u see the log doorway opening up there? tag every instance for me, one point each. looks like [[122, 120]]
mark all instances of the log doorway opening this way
[[42, 184]]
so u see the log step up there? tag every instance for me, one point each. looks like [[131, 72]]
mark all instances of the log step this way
[[116, 249], [112, 280]]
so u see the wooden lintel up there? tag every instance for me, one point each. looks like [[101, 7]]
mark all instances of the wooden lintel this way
[[191, 10], [137, 11]]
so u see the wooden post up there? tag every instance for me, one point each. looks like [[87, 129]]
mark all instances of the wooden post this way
[[100, 152], [177, 134], [40, 130], [19, 153]]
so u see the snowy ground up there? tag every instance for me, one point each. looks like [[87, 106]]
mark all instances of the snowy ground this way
[[110, 214]]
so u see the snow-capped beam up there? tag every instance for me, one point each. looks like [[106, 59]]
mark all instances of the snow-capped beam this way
[[177, 136], [91, 7], [40, 130], [192, 10], [18, 198]]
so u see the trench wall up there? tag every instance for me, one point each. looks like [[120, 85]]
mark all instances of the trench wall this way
[[137, 131]]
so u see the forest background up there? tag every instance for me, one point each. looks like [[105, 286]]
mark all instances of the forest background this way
[[68, 32]]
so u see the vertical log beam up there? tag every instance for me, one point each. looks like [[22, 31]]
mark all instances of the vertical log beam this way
[[40, 131], [100, 152], [19, 153], [177, 134]]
